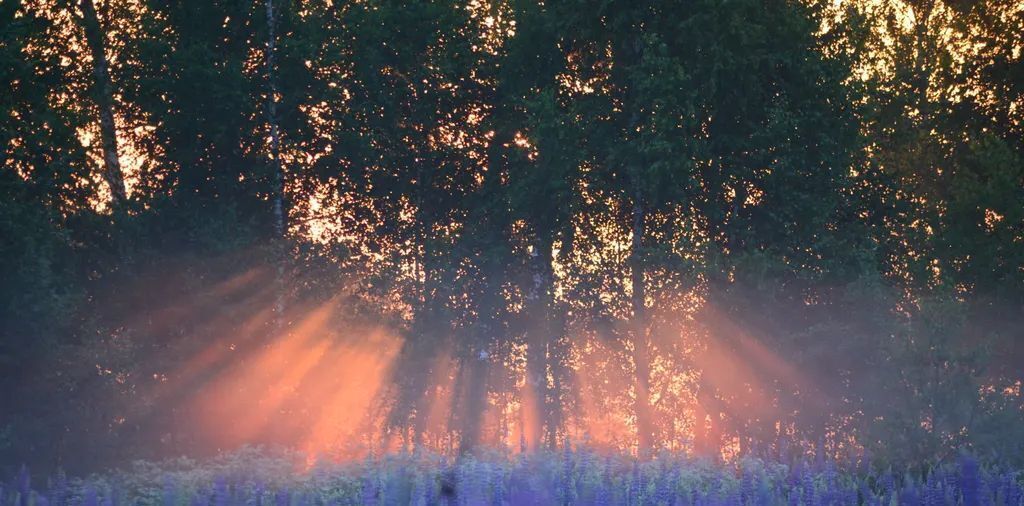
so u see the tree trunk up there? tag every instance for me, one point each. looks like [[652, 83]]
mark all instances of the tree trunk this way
[[426, 341], [487, 329], [641, 346], [476, 360], [279, 216], [476, 365], [488, 245], [538, 343], [707, 432], [104, 91], [477, 371], [556, 357], [632, 55]]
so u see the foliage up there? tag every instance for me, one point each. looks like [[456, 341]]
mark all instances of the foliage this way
[[723, 222]]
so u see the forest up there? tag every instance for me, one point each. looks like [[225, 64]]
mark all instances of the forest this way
[[720, 235]]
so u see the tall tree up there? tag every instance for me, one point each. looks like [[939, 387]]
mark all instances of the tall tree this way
[[47, 226], [278, 191], [103, 91]]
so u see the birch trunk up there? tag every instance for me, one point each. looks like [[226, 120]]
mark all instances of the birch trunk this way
[[538, 344], [104, 93], [641, 350], [280, 220]]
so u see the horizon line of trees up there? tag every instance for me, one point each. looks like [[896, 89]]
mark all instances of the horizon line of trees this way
[[658, 224]]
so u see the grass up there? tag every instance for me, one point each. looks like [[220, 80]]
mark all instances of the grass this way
[[253, 477]]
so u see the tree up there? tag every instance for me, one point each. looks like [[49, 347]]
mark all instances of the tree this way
[[104, 96]]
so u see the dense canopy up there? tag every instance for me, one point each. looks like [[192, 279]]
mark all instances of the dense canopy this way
[[347, 227]]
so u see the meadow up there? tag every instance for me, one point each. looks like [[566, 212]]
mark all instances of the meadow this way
[[252, 477]]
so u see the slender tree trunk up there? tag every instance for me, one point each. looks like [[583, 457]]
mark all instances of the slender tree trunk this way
[[279, 211], [556, 354], [700, 429], [493, 252], [553, 329], [632, 51], [539, 340], [476, 360], [708, 436], [641, 350], [426, 341], [487, 329], [477, 372], [104, 91]]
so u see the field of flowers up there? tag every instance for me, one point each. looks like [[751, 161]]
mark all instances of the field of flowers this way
[[254, 478]]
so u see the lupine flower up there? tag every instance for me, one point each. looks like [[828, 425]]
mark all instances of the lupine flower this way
[[169, 493], [1011, 492], [283, 497], [568, 478], [933, 495], [257, 494], [888, 486], [58, 489], [24, 486], [220, 492], [909, 496], [89, 496]]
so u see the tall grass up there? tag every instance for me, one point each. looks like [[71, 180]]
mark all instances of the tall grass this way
[[573, 476]]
